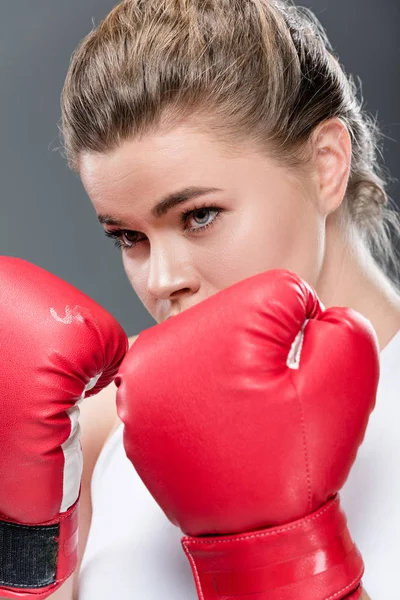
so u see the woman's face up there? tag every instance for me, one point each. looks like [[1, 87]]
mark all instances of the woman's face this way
[[192, 220]]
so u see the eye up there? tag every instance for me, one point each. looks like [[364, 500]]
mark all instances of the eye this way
[[203, 217], [129, 238], [124, 238]]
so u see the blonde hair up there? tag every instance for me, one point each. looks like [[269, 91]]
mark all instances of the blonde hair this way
[[256, 71]]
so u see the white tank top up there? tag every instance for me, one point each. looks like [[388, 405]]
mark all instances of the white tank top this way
[[134, 553]]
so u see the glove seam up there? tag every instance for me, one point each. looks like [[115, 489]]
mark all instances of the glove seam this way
[[201, 596], [304, 440], [49, 524], [336, 594], [195, 571], [275, 531]]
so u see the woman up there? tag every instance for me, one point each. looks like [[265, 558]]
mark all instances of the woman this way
[[217, 140]]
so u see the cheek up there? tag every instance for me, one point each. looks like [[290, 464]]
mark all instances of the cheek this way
[[137, 275], [270, 235], [294, 236]]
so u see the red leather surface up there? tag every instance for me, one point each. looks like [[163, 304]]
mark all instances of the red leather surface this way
[[54, 340], [228, 438], [313, 558]]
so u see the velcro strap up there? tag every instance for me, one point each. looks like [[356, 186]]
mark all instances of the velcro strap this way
[[28, 555]]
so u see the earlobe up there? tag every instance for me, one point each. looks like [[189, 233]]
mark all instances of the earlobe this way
[[332, 156]]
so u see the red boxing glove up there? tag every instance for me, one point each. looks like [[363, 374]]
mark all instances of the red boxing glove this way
[[56, 346], [243, 416]]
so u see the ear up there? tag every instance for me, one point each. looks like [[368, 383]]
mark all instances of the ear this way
[[331, 151]]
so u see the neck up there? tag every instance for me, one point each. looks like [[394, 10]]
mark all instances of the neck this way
[[350, 277]]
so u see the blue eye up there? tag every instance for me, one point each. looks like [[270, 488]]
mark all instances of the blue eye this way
[[202, 217]]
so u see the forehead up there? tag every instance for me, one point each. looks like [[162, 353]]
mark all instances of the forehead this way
[[143, 162], [140, 172]]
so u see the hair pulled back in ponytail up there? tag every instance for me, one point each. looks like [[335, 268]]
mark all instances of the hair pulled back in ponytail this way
[[260, 71]]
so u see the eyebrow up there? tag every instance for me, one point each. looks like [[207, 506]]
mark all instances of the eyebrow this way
[[165, 204]]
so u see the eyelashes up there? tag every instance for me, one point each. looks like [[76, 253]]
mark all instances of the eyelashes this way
[[119, 236], [116, 236]]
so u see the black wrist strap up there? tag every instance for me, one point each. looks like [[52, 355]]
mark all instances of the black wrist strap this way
[[28, 555]]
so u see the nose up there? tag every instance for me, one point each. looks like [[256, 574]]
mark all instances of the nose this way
[[171, 273]]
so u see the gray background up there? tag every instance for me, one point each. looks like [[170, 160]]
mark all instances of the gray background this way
[[46, 216]]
